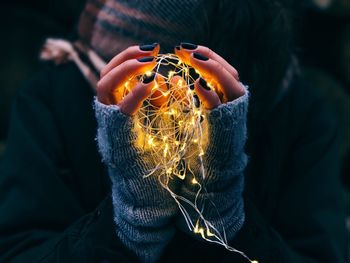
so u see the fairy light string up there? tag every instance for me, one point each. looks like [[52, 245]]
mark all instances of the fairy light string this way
[[171, 125]]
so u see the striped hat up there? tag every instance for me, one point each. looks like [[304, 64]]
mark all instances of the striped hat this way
[[109, 26]]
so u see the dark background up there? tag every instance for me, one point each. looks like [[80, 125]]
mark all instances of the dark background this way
[[322, 40]]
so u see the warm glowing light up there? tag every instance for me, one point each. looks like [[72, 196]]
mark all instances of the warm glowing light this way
[[171, 74], [201, 152], [151, 141], [209, 234], [155, 87], [174, 132], [210, 85], [148, 73]]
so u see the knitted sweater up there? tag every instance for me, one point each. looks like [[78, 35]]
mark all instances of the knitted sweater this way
[[143, 210], [55, 193]]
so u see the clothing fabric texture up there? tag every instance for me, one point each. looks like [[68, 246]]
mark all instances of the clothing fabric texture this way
[[56, 203], [108, 26], [143, 209]]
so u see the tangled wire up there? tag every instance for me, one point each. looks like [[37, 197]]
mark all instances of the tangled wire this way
[[172, 126]]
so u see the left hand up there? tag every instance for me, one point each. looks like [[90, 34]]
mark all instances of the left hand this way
[[214, 70], [224, 159]]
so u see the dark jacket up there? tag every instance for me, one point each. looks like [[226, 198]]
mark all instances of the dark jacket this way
[[55, 203]]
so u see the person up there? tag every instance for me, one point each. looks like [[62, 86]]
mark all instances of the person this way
[[66, 198]]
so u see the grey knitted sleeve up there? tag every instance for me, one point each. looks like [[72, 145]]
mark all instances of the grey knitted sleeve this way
[[224, 163], [142, 208]]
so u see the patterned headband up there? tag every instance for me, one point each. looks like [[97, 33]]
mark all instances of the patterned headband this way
[[109, 26]]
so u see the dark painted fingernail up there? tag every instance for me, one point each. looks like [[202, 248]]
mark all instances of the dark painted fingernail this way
[[188, 46], [200, 56], [203, 84], [149, 79], [196, 100], [146, 59], [177, 47], [148, 47], [191, 87]]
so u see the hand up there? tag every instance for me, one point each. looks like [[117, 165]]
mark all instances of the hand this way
[[143, 209], [224, 159], [123, 68], [213, 69]]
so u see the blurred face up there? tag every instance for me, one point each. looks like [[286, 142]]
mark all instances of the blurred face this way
[[110, 26]]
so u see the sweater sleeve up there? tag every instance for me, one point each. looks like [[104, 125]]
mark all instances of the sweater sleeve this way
[[308, 224], [224, 163], [143, 209]]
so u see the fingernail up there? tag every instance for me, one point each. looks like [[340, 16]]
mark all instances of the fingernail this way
[[203, 84], [148, 47], [200, 56], [146, 59], [149, 79], [177, 47], [189, 46], [196, 100]]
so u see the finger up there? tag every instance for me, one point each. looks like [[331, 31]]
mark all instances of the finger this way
[[180, 54], [126, 88], [207, 96], [159, 96], [231, 88], [133, 101], [109, 88], [186, 49], [132, 52]]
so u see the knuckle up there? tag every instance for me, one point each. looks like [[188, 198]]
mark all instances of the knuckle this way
[[127, 65], [98, 86], [103, 72], [210, 52], [129, 49], [217, 67]]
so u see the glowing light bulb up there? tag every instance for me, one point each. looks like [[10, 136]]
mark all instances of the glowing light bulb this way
[[148, 73], [155, 87], [151, 141], [209, 234], [180, 83], [201, 152], [210, 85], [174, 133], [171, 74], [181, 176], [165, 150], [194, 181]]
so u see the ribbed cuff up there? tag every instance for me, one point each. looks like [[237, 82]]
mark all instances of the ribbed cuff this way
[[224, 163], [114, 134], [143, 209]]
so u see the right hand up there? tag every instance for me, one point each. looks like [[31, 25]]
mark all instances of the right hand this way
[[122, 68]]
